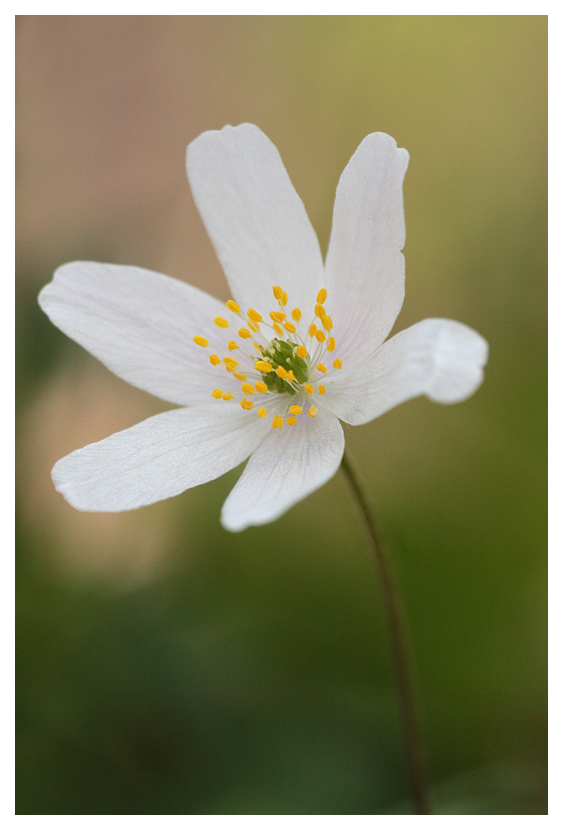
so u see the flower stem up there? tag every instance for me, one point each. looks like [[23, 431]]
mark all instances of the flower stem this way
[[415, 755]]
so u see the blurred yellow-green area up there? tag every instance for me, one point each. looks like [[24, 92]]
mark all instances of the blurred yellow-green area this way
[[166, 666]]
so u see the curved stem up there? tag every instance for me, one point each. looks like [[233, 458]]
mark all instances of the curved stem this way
[[415, 755]]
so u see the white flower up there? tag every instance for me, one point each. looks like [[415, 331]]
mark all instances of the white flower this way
[[300, 346]]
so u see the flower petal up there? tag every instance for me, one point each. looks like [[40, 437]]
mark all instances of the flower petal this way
[[254, 217], [158, 458], [365, 270], [140, 324], [441, 359], [288, 465]]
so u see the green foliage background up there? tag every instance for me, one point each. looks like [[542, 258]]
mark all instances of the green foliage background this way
[[167, 667]]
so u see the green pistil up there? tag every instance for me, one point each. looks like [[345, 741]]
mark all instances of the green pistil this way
[[283, 353]]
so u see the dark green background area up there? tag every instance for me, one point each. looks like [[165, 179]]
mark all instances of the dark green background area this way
[[167, 667]]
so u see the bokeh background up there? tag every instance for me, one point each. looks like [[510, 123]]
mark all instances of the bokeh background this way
[[168, 667]]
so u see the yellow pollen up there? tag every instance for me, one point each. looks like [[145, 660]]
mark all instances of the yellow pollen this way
[[247, 404], [296, 314], [217, 393], [322, 389], [232, 306], [320, 336], [201, 341], [308, 388], [327, 323], [253, 315], [221, 323], [330, 346], [247, 388], [312, 330], [228, 396], [262, 412], [277, 316], [282, 373], [244, 333], [284, 298], [277, 328], [239, 376], [321, 368], [322, 295], [263, 366], [295, 410], [319, 311], [292, 420], [277, 423], [290, 327], [260, 386], [301, 351], [312, 411], [278, 293], [214, 360], [232, 345], [337, 363]]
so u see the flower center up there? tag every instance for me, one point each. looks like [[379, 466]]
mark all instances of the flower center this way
[[284, 370]]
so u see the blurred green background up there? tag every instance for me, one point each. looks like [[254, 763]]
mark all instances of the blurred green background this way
[[168, 667]]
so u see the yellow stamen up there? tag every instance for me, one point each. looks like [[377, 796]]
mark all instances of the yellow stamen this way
[[232, 345], [253, 326], [246, 404], [232, 306], [337, 363], [312, 411], [253, 315], [263, 366], [322, 389], [239, 376], [319, 311], [244, 333], [320, 336], [217, 393], [201, 341], [290, 327], [260, 386], [277, 423], [290, 376], [278, 293], [327, 323], [257, 347], [221, 323], [228, 396], [321, 368], [296, 314], [248, 389], [230, 364], [277, 316], [262, 412], [308, 388], [282, 373], [291, 420], [301, 351], [330, 346], [284, 298], [277, 328], [214, 359], [322, 295], [312, 330], [295, 410]]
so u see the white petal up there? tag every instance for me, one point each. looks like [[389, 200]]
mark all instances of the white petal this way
[[141, 325], [254, 217], [365, 270], [287, 466], [441, 359], [158, 458]]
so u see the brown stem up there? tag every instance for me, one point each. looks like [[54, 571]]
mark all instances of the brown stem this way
[[415, 754]]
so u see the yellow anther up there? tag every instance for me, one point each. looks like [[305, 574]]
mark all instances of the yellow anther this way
[[337, 363], [246, 404], [284, 298], [327, 323], [295, 410], [282, 373], [290, 376], [301, 351], [263, 366], [289, 327], [232, 345], [278, 329], [214, 359], [262, 412], [312, 411], [257, 347], [260, 386], [201, 341], [228, 396], [248, 389], [320, 336], [312, 330], [244, 333], [232, 306], [277, 292], [239, 376], [308, 388], [322, 389], [217, 393], [277, 316], [319, 311], [230, 364], [291, 420], [253, 326], [321, 367], [330, 346], [277, 423], [221, 322], [253, 315], [322, 295], [296, 314]]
